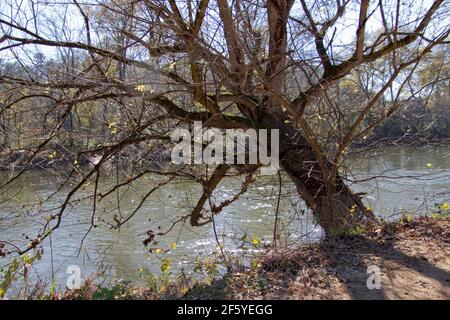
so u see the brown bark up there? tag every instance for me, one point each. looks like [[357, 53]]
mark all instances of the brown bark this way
[[334, 206]]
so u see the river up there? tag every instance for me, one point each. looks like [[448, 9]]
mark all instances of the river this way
[[411, 180]]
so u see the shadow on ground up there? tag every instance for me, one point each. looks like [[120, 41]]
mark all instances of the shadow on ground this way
[[413, 257]]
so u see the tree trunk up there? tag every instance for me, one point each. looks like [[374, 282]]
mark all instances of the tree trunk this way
[[334, 206]]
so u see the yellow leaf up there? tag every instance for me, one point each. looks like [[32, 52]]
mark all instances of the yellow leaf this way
[[143, 88], [171, 66], [173, 245], [256, 241]]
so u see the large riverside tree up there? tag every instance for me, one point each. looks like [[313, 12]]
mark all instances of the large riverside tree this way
[[272, 64]]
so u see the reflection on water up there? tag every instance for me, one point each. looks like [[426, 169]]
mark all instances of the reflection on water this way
[[409, 179]]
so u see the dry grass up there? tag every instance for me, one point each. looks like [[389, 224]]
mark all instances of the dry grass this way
[[414, 258], [413, 255]]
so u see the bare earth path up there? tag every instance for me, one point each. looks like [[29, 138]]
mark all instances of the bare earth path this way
[[414, 262]]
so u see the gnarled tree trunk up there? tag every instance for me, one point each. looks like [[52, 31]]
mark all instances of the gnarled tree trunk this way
[[334, 206]]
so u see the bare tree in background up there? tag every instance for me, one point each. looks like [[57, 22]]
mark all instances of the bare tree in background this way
[[138, 69]]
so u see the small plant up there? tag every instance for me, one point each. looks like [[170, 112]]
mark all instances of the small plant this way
[[158, 283], [208, 266], [117, 292], [440, 210], [18, 269], [356, 231], [406, 218]]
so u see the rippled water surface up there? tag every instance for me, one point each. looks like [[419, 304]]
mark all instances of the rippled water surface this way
[[410, 179]]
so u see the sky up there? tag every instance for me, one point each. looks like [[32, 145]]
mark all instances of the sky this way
[[73, 24]]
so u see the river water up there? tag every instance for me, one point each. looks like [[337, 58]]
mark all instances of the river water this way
[[409, 180]]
